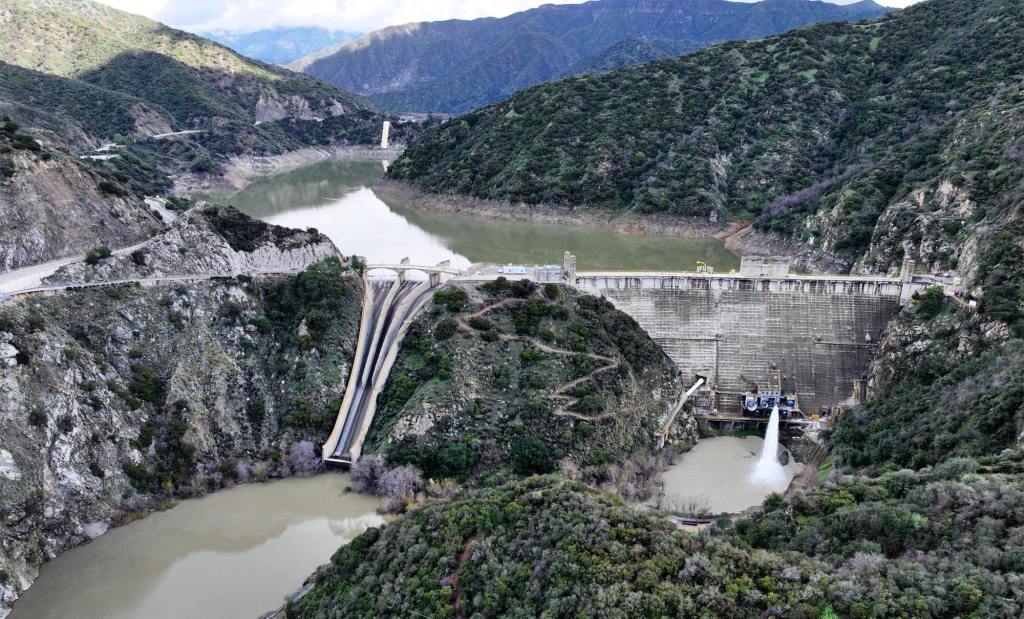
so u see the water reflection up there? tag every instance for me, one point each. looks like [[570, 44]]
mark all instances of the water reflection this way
[[233, 554], [336, 197]]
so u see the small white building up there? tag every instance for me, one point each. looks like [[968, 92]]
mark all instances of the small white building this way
[[513, 269]]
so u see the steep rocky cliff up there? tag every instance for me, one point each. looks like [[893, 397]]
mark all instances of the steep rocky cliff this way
[[116, 399], [208, 240], [52, 206]]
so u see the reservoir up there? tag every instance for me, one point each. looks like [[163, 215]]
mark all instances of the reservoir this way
[[235, 553], [337, 197]]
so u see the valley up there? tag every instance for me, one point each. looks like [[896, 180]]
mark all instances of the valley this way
[[674, 308]]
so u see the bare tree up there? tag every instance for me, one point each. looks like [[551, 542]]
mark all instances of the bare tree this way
[[366, 473], [303, 459], [687, 506], [401, 481]]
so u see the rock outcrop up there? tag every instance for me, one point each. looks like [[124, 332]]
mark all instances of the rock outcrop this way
[[206, 241], [51, 208], [117, 398]]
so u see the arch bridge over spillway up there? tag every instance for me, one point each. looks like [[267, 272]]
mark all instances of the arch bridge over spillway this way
[[389, 306]]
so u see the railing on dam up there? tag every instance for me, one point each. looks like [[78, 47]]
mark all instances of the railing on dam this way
[[389, 307], [798, 284]]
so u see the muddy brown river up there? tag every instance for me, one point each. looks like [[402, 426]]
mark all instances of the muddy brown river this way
[[236, 553]]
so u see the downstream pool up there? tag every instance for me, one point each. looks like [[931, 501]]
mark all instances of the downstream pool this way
[[336, 197], [716, 474], [236, 553]]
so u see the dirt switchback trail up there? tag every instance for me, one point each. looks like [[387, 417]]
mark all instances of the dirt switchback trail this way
[[607, 363]]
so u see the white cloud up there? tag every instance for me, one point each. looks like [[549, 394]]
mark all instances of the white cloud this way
[[348, 15]]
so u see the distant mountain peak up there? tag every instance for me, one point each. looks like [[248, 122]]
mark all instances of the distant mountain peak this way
[[455, 65]]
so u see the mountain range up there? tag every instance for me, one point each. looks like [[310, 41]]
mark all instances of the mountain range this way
[[281, 45], [823, 132], [455, 66], [159, 77], [76, 76]]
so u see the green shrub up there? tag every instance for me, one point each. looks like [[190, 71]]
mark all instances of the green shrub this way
[[93, 256], [445, 329], [480, 323], [111, 188], [145, 384], [529, 456], [928, 304], [454, 299]]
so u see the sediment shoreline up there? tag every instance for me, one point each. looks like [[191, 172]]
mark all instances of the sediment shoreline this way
[[738, 236], [239, 172]]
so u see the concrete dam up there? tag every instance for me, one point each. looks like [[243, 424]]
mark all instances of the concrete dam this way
[[762, 328], [805, 340]]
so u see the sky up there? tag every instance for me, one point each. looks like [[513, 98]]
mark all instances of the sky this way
[[347, 15]]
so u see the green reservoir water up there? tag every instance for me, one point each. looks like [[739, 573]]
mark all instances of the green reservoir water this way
[[337, 198]]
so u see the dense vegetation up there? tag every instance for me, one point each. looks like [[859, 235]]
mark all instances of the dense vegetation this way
[[490, 396], [816, 132], [91, 74], [312, 313], [455, 66], [942, 543], [631, 52]]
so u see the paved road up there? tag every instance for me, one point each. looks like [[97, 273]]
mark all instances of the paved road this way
[[27, 278], [172, 134], [144, 281]]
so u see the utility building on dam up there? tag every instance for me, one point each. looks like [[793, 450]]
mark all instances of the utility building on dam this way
[[745, 331]]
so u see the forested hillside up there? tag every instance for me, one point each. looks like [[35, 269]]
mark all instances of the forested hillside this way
[[943, 543], [110, 74], [817, 133], [455, 66], [631, 52]]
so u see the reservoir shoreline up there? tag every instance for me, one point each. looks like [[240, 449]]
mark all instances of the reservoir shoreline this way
[[737, 235]]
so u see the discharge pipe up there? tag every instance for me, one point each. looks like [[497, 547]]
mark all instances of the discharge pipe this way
[[663, 433]]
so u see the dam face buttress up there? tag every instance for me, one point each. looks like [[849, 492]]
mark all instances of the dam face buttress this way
[[821, 344]]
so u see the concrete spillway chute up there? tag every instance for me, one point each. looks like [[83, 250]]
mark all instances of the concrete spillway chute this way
[[389, 307]]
